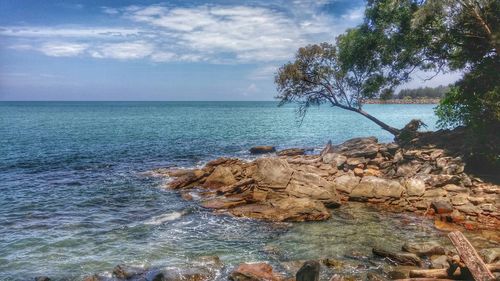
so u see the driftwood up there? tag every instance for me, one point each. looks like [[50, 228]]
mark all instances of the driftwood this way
[[470, 257]]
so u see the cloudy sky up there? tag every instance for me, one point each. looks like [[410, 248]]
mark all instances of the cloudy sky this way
[[149, 50]]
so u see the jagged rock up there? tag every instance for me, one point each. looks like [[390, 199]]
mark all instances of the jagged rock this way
[[262, 149], [286, 209], [223, 203], [415, 187], [189, 177], [338, 159], [424, 248], [221, 176], [291, 152], [308, 272], [407, 170], [254, 272], [309, 185], [273, 172], [399, 258], [327, 149], [359, 147], [354, 162], [373, 187], [346, 183]]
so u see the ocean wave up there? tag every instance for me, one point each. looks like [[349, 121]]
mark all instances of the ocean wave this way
[[160, 219]]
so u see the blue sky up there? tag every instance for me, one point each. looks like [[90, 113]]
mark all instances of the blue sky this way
[[150, 50]]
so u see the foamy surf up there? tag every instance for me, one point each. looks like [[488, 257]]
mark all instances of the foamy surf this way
[[157, 220]]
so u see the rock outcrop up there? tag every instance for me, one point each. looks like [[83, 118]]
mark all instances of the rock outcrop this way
[[302, 187]]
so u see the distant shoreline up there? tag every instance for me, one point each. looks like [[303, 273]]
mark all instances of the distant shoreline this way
[[401, 101]]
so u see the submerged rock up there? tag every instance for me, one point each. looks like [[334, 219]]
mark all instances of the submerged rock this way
[[308, 272], [262, 149], [126, 272], [254, 272], [429, 248], [398, 258]]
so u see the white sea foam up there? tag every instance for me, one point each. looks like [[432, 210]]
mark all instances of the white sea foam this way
[[156, 220]]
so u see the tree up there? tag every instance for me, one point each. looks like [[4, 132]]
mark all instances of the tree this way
[[318, 76]]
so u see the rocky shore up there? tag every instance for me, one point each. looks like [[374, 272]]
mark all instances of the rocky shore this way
[[402, 101], [292, 187]]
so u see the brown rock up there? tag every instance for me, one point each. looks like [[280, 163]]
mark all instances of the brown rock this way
[[334, 158], [254, 272], [221, 176], [126, 272], [358, 172], [188, 178], [373, 187], [440, 262], [308, 272], [415, 187], [291, 152], [262, 149], [346, 183], [399, 258], [442, 207], [272, 172], [223, 203], [424, 248]]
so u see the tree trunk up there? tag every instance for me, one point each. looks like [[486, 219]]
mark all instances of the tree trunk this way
[[395, 132]]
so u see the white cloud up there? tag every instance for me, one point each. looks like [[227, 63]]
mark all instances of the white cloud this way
[[62, 49], [211, 33]]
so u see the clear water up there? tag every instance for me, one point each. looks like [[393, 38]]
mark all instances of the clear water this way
[[74, 199]]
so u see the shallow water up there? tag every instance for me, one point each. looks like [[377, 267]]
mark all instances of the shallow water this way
[[74, 199]]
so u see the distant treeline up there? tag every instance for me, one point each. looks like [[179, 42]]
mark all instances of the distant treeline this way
[[427, 92]]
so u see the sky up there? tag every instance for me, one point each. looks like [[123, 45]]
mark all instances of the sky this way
[[171, 50]]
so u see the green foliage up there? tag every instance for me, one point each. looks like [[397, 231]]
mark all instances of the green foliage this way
[[427, 92]]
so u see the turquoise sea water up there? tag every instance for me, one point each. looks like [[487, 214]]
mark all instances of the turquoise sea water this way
[[74, 199]]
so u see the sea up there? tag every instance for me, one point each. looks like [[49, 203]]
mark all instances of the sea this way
[[77, 198]]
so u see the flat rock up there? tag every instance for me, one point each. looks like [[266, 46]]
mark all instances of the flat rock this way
[[439, 262], [359, 147], [399, 258], [490, 255], [254, 272], [346, 183], [373, 187], [262, 149], [424, 248], [442, 207], [291, 152], [334, 158], [221, 176], [272, 172]]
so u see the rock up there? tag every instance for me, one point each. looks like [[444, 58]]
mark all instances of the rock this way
[[126, 272], [221, 176], [454, 188], [459, 199], [346, 183], [395, 274], [358, 172], [373, 187], [441, 180], [309, 185], [262, 149], [415, 187], [399, 258], [372, 276], [442, 207], [154, 275], [359, 147], [329, 262], [286, 209], [308, 272], [490, 255], [424, 248], [327, 149], [354, 162], [223, 203], [371, 172], [439, 262], [42, 278], [254, 272], [330, 158], [407, 170], [188, 178], [291, 152], [437, 192], [272, 172]]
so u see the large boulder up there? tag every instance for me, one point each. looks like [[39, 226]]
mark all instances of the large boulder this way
[[221, 176], [309, 185], [346, 183], [374, 187], [254, 272], [262, 149], [399, 258], [285, 209], [272, 172], [415, 187], [334, 158]]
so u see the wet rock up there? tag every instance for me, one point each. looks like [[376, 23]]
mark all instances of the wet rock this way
[[491, 255], [42, 278], [424, 248], [262, 149], [126, 272], [372, 276], [254, 272], [154, 275], [399, 258], [223, 203], [395, 274], [439, 262], [346, 183], [330, 262], [291, 152], [442, 207], [308, 272], [273, 172], [188, 178], [221, 176], [373, 187], [415, 187]]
